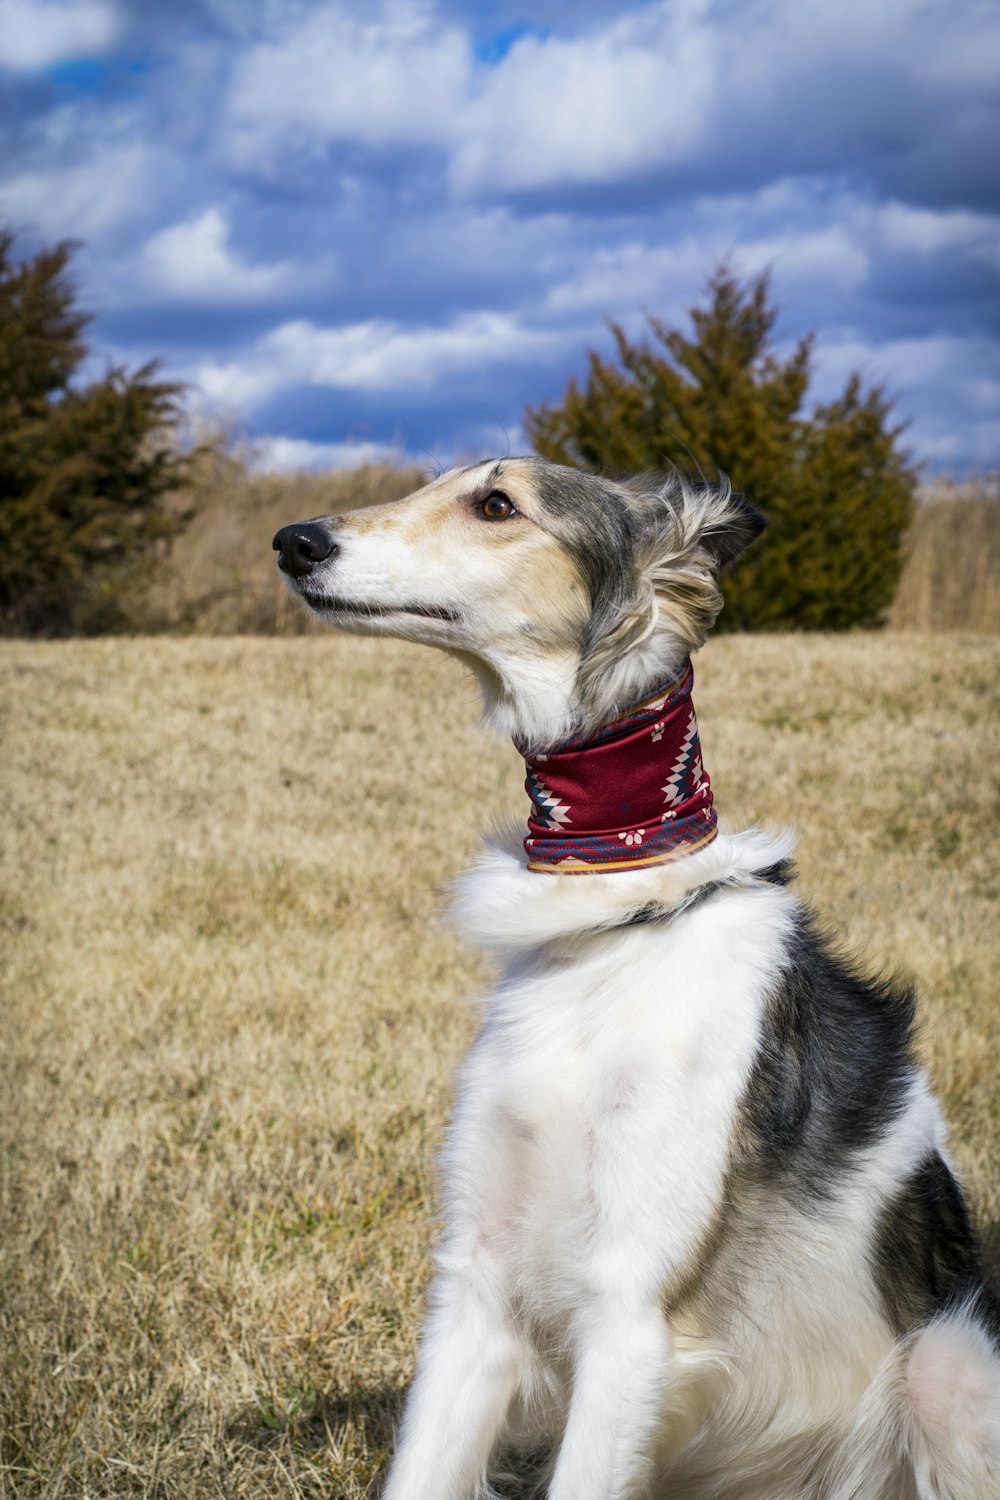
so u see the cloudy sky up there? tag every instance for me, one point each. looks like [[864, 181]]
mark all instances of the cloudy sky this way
[[362, 226]]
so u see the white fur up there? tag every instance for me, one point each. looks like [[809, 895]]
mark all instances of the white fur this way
[[584, 1169], [500, 904], [935, 1398]]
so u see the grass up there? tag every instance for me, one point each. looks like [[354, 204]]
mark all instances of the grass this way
[[232, 1013]]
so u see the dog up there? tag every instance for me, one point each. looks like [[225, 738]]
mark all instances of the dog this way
[[701, 1236]]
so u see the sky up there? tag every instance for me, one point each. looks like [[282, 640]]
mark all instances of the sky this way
[[368, 229]]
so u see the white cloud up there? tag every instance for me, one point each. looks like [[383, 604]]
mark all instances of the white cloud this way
[[193, 262], [624, 277], [680, 83], [923, 231], [397, 77], [372, 356], [40, 33], [238, 386], [84, 198], [903, 364], [948, 387], [828, 257], [960, 448], [285, 455], [664, 277], [967, 52], [459, 242], [593, 107]]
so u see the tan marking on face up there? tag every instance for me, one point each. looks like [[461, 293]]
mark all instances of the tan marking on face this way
[[546, 588], [366, 520], [528, 573]]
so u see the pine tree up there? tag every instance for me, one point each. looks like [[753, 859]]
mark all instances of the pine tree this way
[[83, 469], [836, 487]]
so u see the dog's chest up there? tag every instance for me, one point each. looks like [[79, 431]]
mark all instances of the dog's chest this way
[[596, 1113]]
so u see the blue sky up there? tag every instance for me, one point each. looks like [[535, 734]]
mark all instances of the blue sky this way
[[368, 227]]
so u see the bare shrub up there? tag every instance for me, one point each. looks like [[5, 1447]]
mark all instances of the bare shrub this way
[[951, 577]]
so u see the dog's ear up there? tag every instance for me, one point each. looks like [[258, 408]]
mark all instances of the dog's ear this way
[[684, 536], [730, 531], [692, 532]]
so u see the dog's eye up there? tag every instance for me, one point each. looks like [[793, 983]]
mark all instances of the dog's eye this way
[[496, 506]]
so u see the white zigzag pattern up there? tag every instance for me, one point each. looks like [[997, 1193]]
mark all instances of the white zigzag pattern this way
[[677, 771], [556, 812]]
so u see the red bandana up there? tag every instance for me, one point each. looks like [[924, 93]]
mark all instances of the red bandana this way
[[634, 794]]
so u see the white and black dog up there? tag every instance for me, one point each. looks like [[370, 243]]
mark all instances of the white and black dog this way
[[701, 1235]]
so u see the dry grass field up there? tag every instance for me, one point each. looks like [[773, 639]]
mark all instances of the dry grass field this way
[[231, 1013]]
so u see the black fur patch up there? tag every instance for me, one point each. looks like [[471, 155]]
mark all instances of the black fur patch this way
[[832, 1073], [783, 872], [744, 524], [926, 1257]]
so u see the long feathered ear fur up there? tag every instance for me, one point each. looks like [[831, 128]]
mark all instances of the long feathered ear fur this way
[[687, 535], [738, 528]]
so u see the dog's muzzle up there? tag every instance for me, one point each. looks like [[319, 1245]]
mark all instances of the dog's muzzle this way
[[301, 546]]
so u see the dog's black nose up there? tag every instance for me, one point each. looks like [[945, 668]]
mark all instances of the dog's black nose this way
[[301, 546]]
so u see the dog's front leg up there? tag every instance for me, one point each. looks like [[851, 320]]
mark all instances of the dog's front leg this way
[[469, 1366], [622, 1366]]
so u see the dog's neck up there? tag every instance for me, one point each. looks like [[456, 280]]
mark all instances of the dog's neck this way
[[631, 794]]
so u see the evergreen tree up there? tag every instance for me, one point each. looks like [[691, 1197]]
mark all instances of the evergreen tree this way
[[836, 487], [83, 469]]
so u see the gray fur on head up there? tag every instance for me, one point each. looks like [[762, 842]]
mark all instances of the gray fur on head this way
[[650, 550]]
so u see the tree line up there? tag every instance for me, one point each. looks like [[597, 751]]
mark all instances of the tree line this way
[[88, 467]]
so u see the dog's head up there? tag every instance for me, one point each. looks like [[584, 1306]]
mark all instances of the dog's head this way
[[567, 593]]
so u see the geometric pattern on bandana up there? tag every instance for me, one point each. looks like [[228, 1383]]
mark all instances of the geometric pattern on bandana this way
[[634, 793]]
